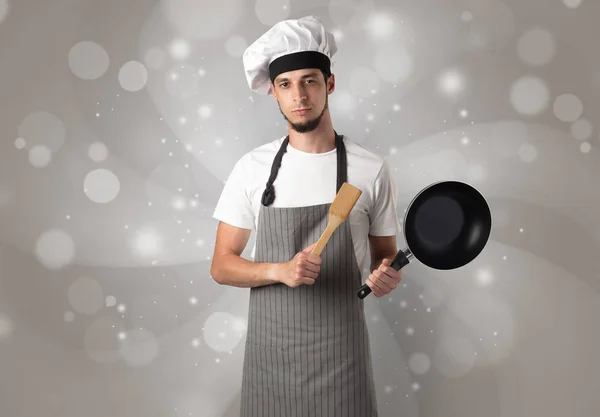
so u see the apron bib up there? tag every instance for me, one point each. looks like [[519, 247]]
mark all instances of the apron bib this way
[[307, 348]]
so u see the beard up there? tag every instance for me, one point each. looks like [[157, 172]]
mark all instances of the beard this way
[[309, 125]]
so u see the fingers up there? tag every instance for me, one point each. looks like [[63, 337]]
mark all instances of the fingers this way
[[382, 283], [375, 287]]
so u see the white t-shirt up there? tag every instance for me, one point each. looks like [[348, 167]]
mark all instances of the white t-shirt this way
[[307, 179]]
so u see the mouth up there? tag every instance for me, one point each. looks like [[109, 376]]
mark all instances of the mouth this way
[[301, 111]]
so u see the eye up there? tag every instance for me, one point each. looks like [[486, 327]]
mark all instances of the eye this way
[[282, 85]]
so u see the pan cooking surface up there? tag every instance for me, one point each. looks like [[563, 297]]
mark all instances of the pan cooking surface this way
[[447, 225], [439, 222]]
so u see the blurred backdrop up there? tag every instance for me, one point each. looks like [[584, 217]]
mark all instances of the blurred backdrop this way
[[120, 122]]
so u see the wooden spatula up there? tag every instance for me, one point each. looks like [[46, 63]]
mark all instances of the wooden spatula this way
[[339, 211]]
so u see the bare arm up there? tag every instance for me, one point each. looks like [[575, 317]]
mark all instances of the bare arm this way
[[229, 268], [382, 247]]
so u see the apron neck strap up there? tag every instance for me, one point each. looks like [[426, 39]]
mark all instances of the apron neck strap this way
[[342, 168]]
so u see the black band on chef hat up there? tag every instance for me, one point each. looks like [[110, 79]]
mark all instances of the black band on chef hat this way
[[299, 60]]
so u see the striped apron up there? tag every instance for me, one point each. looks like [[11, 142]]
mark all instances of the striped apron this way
[[307, 348]]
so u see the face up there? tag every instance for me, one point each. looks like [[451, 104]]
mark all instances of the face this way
[[303, 89]]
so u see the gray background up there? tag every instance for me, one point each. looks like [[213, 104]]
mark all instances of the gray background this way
[[120, 121]]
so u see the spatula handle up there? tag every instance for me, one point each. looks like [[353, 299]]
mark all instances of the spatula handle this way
[[323, 240], [400, 260]]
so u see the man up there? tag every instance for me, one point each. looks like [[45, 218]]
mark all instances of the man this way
[[307, 347]]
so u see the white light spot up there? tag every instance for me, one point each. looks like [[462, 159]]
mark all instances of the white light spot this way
[[396, 107], [464, 140], [133, 76], [451, 83], [101, 186], [69, 316], [235, 46], [466, 16], [223, 332], [573, 4], [585, 147], [205, 112], [484, 277], [464, 113], [146, 243], [380, 26], [344, 102], [536, 47], [40, 156], [179, 203], [88, 60], [6, 326], [121, 308], [568, 107], [85, 296], [527, 152], [4, 9], [582, 129], [529, 95], [155, 58], [20, 142], [180, 49], [393, 63], [193, 301], [110, 301], [44, 129], [98, 152], [55, 249], [419, 363]]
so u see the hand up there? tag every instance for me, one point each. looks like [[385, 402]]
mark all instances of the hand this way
[[302, 269], [384, 279]]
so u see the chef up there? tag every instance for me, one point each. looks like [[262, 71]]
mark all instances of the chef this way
[[307, 345]]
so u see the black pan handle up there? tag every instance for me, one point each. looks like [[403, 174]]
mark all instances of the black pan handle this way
[[400, 261]]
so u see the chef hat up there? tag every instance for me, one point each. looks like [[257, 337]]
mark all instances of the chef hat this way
[[289, 45]]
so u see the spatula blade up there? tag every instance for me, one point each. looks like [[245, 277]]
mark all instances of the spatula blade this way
[[339, 211]]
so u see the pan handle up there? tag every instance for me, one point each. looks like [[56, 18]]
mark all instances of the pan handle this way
[[401, 259]]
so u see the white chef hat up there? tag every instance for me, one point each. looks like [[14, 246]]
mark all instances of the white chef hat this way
[[289, 45]]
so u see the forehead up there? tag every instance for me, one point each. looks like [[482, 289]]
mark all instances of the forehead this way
[[297, 74]]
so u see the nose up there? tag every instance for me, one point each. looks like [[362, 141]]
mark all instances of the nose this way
[[299, 93]]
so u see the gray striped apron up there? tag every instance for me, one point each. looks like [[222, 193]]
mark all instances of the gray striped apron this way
[[307, 348]]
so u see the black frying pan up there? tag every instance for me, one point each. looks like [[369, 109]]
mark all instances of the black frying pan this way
[[446, 226]]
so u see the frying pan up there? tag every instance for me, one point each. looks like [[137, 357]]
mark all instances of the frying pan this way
[[446, 226]]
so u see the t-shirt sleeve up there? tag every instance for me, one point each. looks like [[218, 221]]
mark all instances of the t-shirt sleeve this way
[[234, 206], [383, 218]]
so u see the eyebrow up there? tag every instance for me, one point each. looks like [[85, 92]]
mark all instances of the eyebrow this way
[[309, 75]]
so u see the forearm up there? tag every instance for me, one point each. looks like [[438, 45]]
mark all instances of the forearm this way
[[375, 264], [236, 271]]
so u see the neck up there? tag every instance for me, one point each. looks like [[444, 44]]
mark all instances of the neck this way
[[320, 140]]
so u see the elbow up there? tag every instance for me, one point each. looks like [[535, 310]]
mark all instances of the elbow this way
[[215, 274]]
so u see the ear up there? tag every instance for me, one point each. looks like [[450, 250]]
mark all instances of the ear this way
[[273, 91], [331, 84]]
